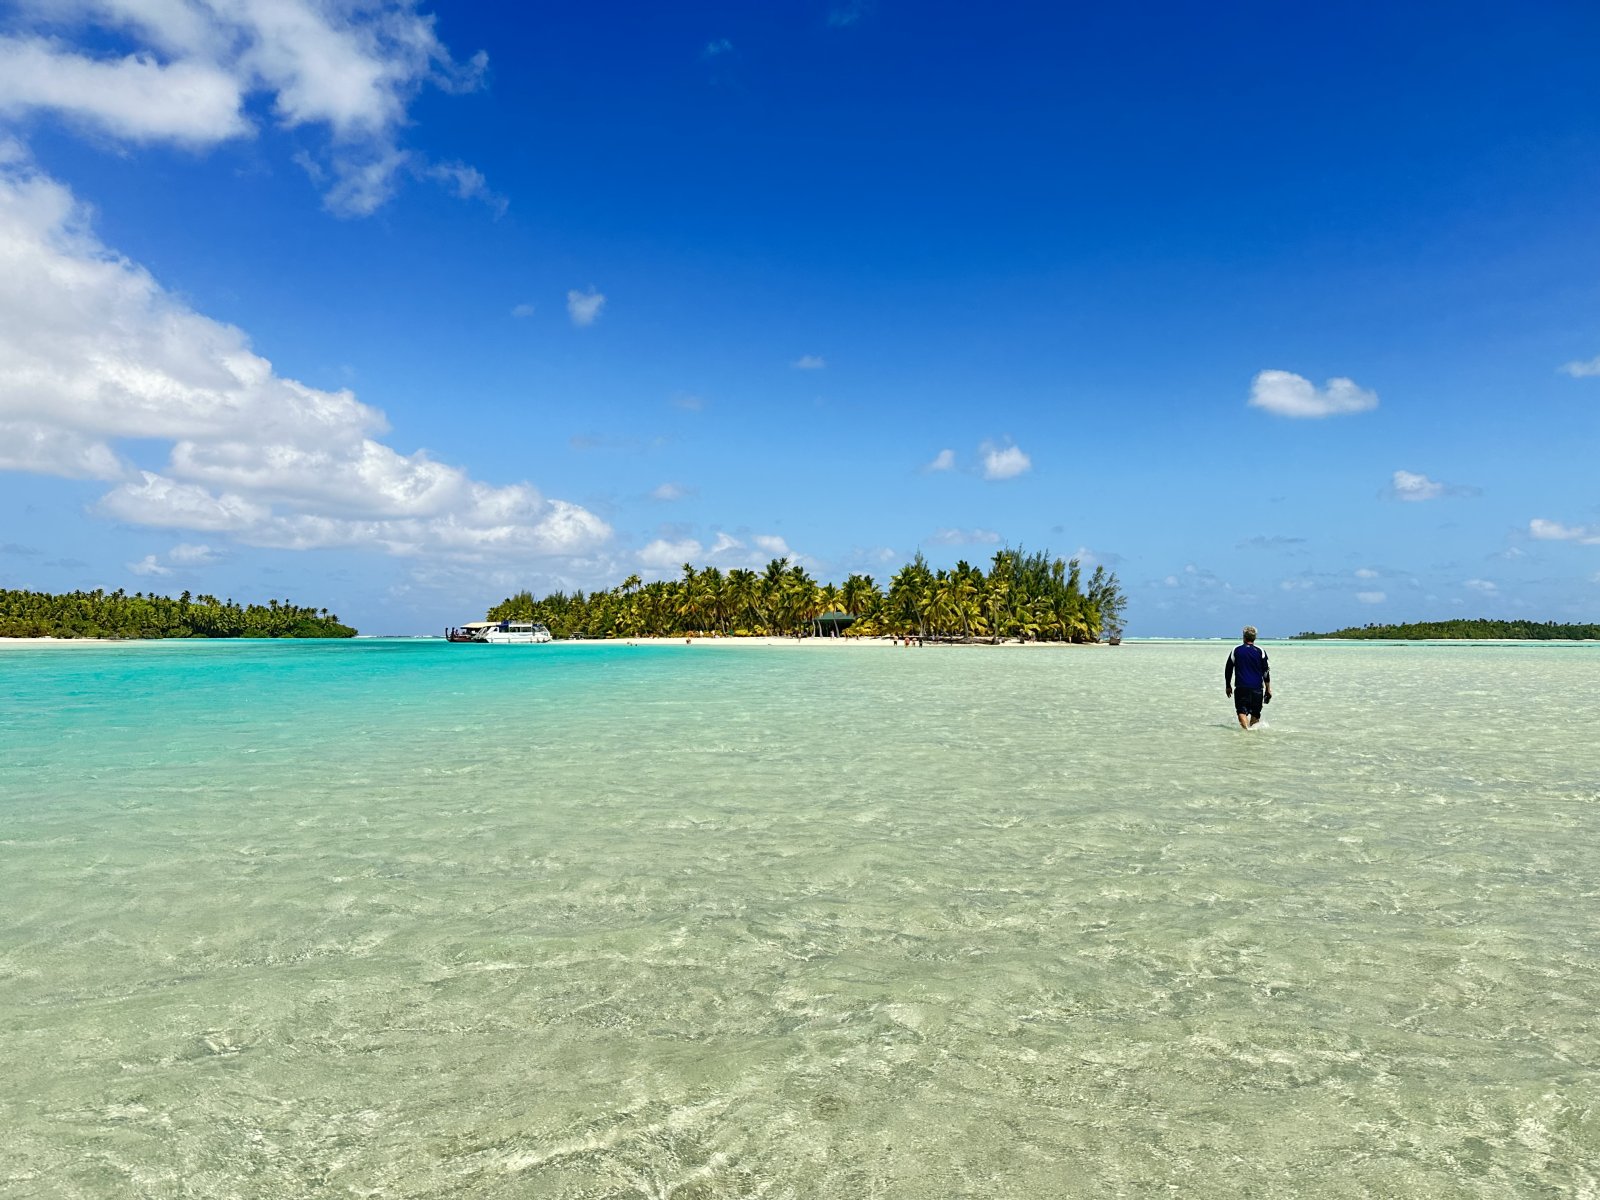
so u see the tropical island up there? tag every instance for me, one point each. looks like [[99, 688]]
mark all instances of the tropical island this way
[[101, 614], [1022, 597], [1478, 629]]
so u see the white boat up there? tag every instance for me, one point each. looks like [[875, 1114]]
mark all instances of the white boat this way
[[502, 633], [517, 633]]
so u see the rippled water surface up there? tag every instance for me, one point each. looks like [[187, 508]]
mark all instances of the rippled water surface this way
[[405, 919]]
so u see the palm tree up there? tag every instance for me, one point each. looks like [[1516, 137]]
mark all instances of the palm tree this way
[[859, 595]]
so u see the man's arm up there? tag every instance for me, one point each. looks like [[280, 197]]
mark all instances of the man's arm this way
[[1227, 675], [1266, 674]]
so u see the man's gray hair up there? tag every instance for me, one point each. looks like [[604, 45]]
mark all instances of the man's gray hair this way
[[1249, 633]]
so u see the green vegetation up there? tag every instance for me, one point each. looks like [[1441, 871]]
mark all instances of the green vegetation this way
[[1026, 596], [1467, 630], [118, 615]]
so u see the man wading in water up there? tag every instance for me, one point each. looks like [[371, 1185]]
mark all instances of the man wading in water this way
[[1247, 679]]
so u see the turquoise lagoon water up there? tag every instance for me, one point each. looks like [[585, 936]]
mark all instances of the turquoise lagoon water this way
[[405, 919]]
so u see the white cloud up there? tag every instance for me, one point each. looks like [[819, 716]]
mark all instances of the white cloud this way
[[1579, 370], [964, 537], [135, 98], [689, 402], [191, 555], [717, 48], [1297, 585], [584, 307], [1554, 531], [1408, 485], [45, 450], [773, 545], [93, 351], [942, 461], [1004, 462], [1487, 586], [725, 551], [668, 555], [667, 492], [809, 362], [1366, 573], [1371, 597], [468, 183], [1413, 486], [149, 566], [183, 555], [347, 69], [521, 311], [1291, 395]]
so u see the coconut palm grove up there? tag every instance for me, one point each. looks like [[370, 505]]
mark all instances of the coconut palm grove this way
[[1023, 596], [102, 614]]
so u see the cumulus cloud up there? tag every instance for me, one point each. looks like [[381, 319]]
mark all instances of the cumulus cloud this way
[[1366, 573], [348, 69], [717, 48], [667, 492], [1371, 597], [135, 98], [584, 307], [1555, 531], [809, 362], [149, 566], [964, 537], [49, 450], [1486, 586], [1408, 485], [942, 461], [93, 352], [663, 554], [190, 555], [522, 311], [182, 556], [1291, 395], [1413, 486], [1579, 370], [725, 551], [1004, 462]]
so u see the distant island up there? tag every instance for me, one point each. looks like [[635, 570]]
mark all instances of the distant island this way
[[100, 614], [1465, 630], [1023, 596]]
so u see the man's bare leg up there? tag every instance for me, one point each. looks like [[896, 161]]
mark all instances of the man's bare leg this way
[[1244, 721]]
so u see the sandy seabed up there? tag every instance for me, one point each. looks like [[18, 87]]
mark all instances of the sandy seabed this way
[[880, 642]]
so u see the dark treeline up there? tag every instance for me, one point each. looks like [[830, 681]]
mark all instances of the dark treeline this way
[[1477, 629], [1025, 596], [119, 615]]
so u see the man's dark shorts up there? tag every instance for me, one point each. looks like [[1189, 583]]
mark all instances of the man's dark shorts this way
[[1247, 702]]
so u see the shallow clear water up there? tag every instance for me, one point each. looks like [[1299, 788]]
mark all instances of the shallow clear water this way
[[406, 919]]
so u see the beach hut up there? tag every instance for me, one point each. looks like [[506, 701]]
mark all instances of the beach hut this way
[[832, 624]]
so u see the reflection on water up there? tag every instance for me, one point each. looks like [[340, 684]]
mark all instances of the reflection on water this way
[[407, 920]]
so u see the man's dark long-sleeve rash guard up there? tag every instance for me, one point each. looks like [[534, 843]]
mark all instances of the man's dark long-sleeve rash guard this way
[[1247, 668]]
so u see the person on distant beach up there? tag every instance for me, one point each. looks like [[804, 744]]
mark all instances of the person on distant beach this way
[[1247, 679]]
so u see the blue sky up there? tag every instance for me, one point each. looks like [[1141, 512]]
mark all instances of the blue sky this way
[[1286, 316]]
